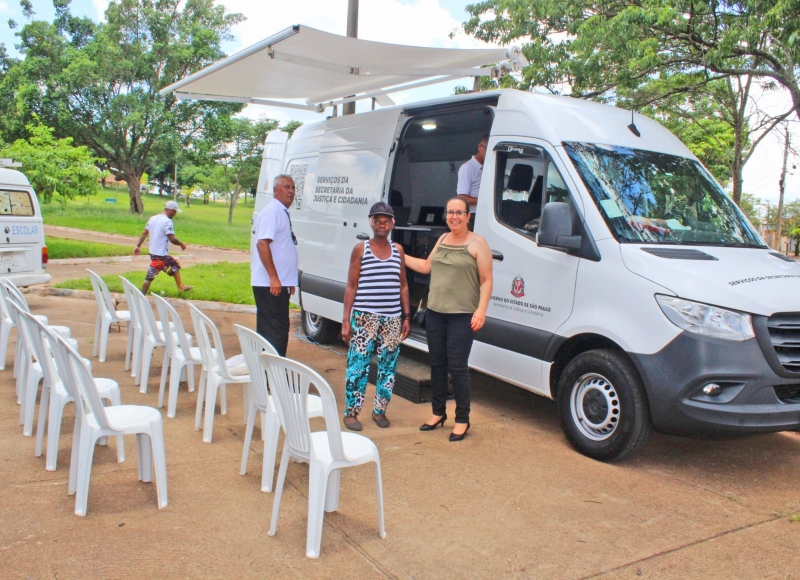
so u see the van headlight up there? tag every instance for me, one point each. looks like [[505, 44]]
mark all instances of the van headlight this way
[[706, 320]]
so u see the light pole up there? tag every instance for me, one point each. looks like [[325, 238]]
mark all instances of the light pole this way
[[352, 32]]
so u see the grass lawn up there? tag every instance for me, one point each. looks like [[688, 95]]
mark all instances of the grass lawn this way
[[60, 248], [220, 282], [198, 224]]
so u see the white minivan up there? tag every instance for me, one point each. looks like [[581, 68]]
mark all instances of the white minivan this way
[[627, 285], [23, 253]]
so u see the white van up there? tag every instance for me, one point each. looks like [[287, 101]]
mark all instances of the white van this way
[[23, 254], [627, 285]]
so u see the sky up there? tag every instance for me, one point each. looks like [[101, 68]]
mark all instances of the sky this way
[[414, 22]]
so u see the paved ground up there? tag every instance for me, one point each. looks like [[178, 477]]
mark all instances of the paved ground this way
[[61, 270], [512, 500]]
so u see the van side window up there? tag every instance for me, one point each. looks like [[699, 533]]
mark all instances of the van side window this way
[[556, 189], [16, 203], [519, 186]]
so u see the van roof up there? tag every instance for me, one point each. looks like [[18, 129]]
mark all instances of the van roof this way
[[13, 177]]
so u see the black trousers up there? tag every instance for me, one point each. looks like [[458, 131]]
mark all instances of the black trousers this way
[[272, 316], [449, 344]]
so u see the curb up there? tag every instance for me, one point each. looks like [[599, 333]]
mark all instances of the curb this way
[[176, 302]]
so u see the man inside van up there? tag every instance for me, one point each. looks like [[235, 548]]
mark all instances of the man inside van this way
[[469, 178], [162, 233], [273, 268]]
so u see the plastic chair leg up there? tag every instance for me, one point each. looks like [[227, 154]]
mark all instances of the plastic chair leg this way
[[165, 367], [248, 437], [332, 493], [114, 397], [88, 438], [190, 380], [98, 321], [144, 373], [136, 356], [174, 386], [44, 405], [272, 429], [201, 395], [379, 490], [74, 461], [57, 405], [106, 325], [145, 456], [223, 398], [129, 347], [211, 403], [30, 401], [276, 503], [317, 489], [160, 462], [17, 356]]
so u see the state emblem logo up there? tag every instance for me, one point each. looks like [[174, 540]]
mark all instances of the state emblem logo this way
[[518, 287]]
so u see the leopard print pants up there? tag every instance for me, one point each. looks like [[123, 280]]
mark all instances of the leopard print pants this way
[[372, 333]]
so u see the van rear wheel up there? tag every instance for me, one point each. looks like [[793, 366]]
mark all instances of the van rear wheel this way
[[602, 405], [319, 329]]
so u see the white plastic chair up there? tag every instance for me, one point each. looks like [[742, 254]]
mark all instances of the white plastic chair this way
[[54, 395], [218, 373], [179, 356], [133, 353], [93, 421], [107, 314], [253, 344], [327, 452]]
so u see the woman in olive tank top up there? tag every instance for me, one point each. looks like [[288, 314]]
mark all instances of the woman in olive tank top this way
[[460, 266]]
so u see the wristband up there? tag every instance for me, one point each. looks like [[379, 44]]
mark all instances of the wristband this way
[[406, 315]]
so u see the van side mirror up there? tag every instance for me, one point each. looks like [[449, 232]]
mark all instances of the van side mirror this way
[[555, 227]]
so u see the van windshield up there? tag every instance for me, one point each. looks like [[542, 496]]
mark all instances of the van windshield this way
[[648, 197], [15, 203]]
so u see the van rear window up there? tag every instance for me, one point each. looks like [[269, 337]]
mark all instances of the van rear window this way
[[15, 203]]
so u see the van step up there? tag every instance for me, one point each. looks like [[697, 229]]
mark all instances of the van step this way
[[412, 380]]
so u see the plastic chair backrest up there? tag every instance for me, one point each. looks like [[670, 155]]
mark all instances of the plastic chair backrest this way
[[253, 344], [33, 337], [83, 380], [14, 292], [4, 303], [203, 340], [289, 381], [146, 316], [61, 349], [101, 294], [127, 287], [213, 341], [167, 312]]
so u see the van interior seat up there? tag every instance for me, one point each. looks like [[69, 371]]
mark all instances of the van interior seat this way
[[518, 213]]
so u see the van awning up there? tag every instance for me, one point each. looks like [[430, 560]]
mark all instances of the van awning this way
[[326, 69]]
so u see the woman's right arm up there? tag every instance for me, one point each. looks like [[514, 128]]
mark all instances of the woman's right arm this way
[[420, 265], [353, 274]]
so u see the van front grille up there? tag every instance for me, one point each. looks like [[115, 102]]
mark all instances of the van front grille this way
[[784, 333], [788, 393]]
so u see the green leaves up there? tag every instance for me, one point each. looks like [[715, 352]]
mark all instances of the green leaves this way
[[55, 167]]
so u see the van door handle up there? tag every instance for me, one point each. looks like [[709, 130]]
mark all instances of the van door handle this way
[[362, 237], [497, 256]]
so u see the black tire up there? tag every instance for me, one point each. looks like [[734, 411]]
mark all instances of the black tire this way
[[602, 405], [320, 329]]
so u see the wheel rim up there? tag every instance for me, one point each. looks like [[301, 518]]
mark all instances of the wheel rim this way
[[595, 407], [313, 322]]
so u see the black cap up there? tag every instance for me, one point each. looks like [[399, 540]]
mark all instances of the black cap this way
[[381, 208]]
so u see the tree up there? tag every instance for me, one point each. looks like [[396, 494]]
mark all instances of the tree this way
[[55, 167], [99, 83], [647, 52]]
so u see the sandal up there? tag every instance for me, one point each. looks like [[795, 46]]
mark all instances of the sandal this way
[[352, 423]]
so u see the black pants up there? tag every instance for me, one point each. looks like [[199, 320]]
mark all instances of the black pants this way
[[272, 316], [449, 343]]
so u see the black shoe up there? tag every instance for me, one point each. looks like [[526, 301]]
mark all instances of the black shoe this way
[[426, 427], [381, 420], [454, 437], [353, 424]]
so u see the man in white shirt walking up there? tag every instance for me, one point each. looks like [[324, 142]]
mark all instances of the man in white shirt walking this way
[[273, 268], [469, 178], [162, 233]]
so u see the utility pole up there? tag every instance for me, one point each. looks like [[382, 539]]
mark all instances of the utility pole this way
[[352, 32], [782, 183]]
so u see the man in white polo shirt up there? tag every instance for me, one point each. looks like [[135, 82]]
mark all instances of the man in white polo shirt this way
[[273, 268], [469, 177]]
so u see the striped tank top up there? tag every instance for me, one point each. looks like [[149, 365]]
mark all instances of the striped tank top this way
[[379, 284]]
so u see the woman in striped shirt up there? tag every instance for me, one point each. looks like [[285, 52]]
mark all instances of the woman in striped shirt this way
[[376, 316]]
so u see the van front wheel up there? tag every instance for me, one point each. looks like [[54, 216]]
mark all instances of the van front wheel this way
[[602, 405], [319, 329]]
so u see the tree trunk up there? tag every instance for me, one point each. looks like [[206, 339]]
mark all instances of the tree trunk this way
[[737, 165], [778, 241], [234, 199], [134, 181]]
